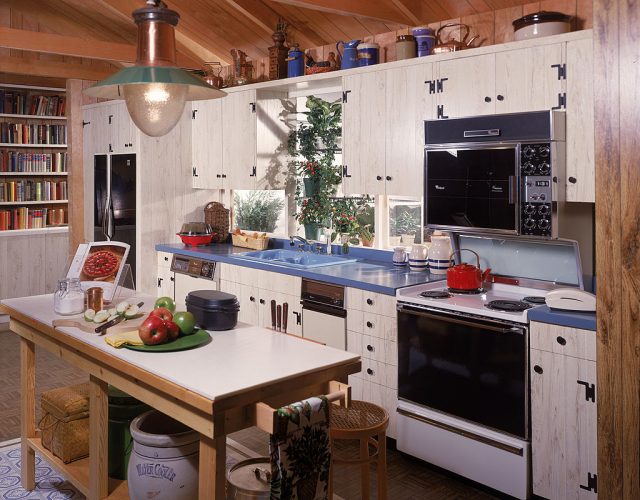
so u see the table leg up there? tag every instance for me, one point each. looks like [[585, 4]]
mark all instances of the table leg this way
[[382, 466], [212, 468], [98, 439], [28, 411], [364, 468]]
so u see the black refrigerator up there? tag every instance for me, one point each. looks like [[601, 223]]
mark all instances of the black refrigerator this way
[[115, 201]]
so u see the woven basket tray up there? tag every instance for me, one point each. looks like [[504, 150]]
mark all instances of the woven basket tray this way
[[218, 218], [245, 241]]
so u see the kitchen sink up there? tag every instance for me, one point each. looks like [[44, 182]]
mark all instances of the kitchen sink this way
[[296, 259]]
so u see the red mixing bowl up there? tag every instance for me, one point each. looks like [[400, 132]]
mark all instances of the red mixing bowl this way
[[195, 240]]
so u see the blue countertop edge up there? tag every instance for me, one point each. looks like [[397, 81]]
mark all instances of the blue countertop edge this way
[[386, 280], [572, 319]]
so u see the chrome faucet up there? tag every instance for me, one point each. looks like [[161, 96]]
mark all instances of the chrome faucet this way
[[296, 237]]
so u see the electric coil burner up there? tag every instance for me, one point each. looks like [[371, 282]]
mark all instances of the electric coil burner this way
[[508, 305], [537, 300], [436, 294], [475, 291]]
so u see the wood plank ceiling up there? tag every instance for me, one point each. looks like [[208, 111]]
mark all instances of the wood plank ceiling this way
[[209, 29]]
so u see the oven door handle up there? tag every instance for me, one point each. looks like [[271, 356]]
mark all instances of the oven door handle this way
[[459, 321]]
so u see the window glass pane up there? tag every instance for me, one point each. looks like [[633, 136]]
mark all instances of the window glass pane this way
[[405, 221], [260, 211]]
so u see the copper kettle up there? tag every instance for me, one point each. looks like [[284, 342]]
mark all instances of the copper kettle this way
[[452, 45]]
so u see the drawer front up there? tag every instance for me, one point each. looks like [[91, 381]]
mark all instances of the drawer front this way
[[391, 352], [374, 325], [164, 259], [229, 272], [372, 371], [377, 303], [563, 340], [280, 283], [354, 342], [355, 320], [373, 348]]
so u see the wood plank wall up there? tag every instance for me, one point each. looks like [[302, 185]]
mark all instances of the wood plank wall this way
[[617, 108]]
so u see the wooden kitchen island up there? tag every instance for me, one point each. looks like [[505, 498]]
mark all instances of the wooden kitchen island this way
[[213, 388]]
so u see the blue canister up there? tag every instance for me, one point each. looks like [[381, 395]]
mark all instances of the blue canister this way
[[368, 54], [425, 39], [295, 62], [349, 56]]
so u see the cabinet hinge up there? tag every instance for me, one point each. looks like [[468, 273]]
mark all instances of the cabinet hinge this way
[[159, 282], [589, 390], [562, 71], [345, 171], [298, 317], [193, 114], [110, 148], [195, 172], [432, 86], [110, 118], [592, 483], [440, 110], [254, 172], [440, 85], [562, 101], [85, 123], [345, 94], [253, 107]]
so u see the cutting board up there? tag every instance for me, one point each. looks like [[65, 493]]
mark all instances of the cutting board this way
[[90, 327]]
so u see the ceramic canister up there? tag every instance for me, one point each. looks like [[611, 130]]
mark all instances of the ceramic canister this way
[[400, 256], [418, 258], [368, 54], [425, 40], [295, 62], [405, 47], [439, 254]]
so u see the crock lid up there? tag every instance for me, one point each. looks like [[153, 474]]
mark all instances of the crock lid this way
[[208, 299], [540, 17], [407, 38], [368, 46], [251, 477]]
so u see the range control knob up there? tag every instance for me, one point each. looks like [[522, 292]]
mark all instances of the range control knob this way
[[544, 151], [545, 168], [544, 224], [529, 209], [528, 168], [544, 210], [534, 196], [542, 197], [529, 223], [528, 151]]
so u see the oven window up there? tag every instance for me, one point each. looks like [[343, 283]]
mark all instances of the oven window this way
[[464, 368], [470, 188]]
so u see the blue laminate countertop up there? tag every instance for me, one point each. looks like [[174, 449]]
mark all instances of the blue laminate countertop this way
[[371, 274], [572, 319]]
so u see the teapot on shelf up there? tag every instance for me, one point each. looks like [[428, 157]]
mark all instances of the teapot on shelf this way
[[452, 45]]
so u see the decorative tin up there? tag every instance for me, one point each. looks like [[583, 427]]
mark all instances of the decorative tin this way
[[368, 54], [425, 40]]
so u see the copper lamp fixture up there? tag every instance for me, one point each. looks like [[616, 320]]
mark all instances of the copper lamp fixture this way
[[155, 89]]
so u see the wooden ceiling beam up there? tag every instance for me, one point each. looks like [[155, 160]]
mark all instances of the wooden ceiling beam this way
[[359, 8], [38, 67], [399, 4]]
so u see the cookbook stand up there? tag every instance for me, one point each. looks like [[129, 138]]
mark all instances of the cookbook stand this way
[[125, 287]]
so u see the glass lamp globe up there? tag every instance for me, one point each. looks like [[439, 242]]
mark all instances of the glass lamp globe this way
[[155, 108]]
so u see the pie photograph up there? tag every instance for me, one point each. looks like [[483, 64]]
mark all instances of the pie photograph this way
[[102, 264]]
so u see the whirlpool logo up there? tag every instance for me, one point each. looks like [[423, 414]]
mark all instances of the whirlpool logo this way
[[156, 470]]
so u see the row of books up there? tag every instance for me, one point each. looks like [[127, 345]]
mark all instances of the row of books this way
[[21, 103], [31, 133], [18, 161], [31, 218], [32, 190]]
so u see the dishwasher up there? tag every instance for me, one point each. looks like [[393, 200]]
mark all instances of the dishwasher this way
[[192, 274], [324, 318]]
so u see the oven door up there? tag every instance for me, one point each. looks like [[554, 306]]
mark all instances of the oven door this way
[[471, 368], [473, 186]]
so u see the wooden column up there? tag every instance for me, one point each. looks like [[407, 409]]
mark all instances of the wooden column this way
[[76, 172], [617, 109]]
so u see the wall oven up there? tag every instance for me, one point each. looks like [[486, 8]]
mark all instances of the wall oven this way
[[498, 173]]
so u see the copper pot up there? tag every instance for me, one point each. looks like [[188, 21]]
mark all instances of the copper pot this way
[[452, 45]]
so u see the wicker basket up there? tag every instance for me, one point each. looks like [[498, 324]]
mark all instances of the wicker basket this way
[[218, 218], [246, 241], [65, 422]]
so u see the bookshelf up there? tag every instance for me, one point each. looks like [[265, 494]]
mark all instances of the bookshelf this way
[[33, 159]]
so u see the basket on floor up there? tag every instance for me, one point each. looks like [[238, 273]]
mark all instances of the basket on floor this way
[[218, 218]]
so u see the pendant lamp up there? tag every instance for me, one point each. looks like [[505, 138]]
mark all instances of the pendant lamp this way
[[155, 89]]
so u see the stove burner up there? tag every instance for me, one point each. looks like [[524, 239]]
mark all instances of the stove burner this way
[[435, 294], [475, 291], [535, 300], [508, 305]]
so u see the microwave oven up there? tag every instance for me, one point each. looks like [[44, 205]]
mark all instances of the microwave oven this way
[[496, 174]]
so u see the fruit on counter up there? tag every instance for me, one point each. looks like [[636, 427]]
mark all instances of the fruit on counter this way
[[89, 314], [153, 331], [172, 329], [163, 313], [113, 311], [186, 321], [101, 316], [122, 307], [131, 311], [166, 302]]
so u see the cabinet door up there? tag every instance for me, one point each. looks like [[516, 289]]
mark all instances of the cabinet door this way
[[248, 297], [408, 104], [272, 158], [206, 144], [239, 139], [165, 282], [363, 130], [580, 122], [563, 425], [124, 133], [526, 79], [468, 86]]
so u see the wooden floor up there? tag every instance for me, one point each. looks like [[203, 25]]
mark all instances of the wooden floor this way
[[408, 478]]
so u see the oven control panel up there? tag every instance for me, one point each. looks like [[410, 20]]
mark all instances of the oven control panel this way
[[193, 267], [536, 189]]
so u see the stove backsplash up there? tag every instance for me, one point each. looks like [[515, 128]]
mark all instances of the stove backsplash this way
[[556, 261]]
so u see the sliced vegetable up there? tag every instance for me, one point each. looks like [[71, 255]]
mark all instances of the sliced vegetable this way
[[101, 316], [89, 314]]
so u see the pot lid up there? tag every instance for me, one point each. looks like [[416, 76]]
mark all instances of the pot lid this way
[[195, 229], [251, 476], [208, 299], [540, 17]]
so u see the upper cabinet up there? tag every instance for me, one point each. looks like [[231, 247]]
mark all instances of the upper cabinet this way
[[206, 145], [239, 139], [110, 129]]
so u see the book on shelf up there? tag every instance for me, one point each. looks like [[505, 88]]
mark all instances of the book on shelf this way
[[20, 102], [33, 190], [32, 133], [20, 161], [31, 218]]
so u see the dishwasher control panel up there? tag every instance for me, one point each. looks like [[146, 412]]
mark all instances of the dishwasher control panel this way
[[193, 267], [322, 293]]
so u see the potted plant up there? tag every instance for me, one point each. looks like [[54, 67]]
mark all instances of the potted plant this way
[[365, 217], [312, 214], [406, 224], [258, 211]]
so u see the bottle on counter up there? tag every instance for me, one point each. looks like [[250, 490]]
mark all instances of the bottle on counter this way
[[68, 298]]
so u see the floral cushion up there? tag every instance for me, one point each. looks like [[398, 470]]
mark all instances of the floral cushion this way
[[300, 451]]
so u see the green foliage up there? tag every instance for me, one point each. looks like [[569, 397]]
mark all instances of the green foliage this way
[[406, 221], [258, 211]]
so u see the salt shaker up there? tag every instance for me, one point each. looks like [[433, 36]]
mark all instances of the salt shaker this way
[[68, 298]]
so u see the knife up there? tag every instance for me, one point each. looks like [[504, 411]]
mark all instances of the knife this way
[[273, 314], [103, 328], [279, 317], [285, 312]]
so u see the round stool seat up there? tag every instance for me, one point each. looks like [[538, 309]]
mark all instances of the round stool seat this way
[[361, 418]]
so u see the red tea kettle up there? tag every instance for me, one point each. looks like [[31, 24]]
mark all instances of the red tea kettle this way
[[466, 276]]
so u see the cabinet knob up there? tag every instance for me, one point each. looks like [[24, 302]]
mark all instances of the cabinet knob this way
[[369, 324], [172, 278], [487, 99], [224, 176], [378, 177], [370, 348], [369, 371], [573, 180], [252, 299], [561, 341], [166, 259], [262, 301], [369, 302], [500, 97], [218, 176], [538, 369], [388, 177]]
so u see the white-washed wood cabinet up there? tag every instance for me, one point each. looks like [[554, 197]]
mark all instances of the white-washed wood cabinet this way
[[166, 277], [206, 144], [239, 139], [563, 412], [109, 129]]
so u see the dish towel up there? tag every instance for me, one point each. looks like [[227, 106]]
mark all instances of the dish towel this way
[[300, 451], [119, 339]]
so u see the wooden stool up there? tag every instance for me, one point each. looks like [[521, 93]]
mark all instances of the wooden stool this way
[[367, 423]]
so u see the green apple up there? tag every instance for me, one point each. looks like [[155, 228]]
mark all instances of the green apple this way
[[185, 321], [166, 302]]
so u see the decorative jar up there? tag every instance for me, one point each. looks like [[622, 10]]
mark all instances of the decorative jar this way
[[68, 298]]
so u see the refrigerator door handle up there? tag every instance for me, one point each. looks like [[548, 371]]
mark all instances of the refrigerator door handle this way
[[110, 220]]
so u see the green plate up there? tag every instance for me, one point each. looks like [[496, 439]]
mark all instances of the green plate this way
[[180, 344]]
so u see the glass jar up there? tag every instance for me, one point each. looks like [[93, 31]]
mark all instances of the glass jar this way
[[68, 298]]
